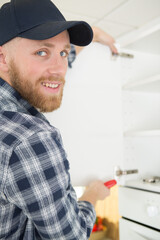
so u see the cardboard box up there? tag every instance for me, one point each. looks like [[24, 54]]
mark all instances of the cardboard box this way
[[98, 235]]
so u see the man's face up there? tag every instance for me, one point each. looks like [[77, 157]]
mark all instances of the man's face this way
[[37, 70]]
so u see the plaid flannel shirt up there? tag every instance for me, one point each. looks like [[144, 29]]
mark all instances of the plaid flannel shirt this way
[[71, 56], [37, 200]]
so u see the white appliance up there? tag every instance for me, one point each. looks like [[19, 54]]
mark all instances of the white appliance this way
[[139, 206]]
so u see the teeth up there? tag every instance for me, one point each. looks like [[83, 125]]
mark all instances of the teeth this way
[[51, 85]]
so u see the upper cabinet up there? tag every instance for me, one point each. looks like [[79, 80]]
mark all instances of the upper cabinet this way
[[141, 94]]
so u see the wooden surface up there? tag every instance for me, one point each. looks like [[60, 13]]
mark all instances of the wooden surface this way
[[108, 209]]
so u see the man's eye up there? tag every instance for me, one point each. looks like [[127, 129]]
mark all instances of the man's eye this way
[[41, 53], [63, 54]]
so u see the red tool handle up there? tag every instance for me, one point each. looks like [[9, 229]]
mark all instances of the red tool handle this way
[[110, 183]]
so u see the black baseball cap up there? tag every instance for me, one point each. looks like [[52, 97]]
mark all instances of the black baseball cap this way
[[39, 20]]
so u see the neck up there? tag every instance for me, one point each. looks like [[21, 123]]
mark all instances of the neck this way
[[5, 77]]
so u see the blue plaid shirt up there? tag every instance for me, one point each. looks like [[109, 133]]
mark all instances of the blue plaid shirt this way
[[37, 200], [71, 56]]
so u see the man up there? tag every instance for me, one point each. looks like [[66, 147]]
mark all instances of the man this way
[[37, 200]]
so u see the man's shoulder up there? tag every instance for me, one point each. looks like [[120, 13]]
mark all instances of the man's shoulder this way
[[20, 119], [16, 126]]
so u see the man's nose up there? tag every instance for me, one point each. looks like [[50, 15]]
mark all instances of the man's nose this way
[[58, 66]]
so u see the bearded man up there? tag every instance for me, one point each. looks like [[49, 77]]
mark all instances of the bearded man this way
[[37, 200]]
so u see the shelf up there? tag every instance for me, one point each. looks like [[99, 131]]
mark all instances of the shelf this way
[[151, 84], [145, 133]]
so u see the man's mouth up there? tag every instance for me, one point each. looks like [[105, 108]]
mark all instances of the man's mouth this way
[[50, 85]]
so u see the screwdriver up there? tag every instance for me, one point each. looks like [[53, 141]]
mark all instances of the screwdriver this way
[[110, 183]]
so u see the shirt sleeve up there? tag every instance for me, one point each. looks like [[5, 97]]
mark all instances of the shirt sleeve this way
[[71, 56], [39, 183]]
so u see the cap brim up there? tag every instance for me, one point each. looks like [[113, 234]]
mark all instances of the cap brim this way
[[80, 32]]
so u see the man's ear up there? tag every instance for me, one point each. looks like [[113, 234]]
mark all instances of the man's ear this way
[[3, 63]]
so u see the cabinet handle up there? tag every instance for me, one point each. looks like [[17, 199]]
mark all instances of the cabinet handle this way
[[122, 54]]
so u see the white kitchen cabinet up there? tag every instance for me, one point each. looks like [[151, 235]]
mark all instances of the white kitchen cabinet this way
[[141, 116], [110, 114], [134, 231]]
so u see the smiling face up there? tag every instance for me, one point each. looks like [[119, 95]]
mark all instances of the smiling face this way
[[36, 69]]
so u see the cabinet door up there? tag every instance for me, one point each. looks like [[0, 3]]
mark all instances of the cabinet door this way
[[91, 116], [133, 231], [140, 206]]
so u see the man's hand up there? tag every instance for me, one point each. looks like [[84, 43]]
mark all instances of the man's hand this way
[[102, 37], [94, 192]]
